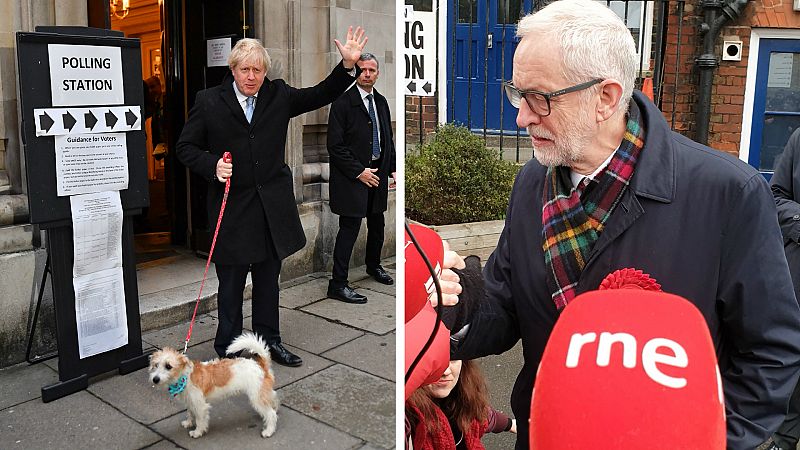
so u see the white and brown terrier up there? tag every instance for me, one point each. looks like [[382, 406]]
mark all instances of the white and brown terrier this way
[[197, 382]]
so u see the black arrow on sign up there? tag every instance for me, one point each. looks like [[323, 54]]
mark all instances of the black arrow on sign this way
[[427, 87], [412, 87], [130, 118], [111, 119], [69, 121], [46, 122], [90, 120]]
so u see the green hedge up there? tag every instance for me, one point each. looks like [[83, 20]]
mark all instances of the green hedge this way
[[456, 179]]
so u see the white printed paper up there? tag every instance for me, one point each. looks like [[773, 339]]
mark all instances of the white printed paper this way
[[100, 312], [217, 51], [85, 75], [89, 163], [96, 232]]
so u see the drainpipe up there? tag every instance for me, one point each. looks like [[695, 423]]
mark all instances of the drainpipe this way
[[716, 13]]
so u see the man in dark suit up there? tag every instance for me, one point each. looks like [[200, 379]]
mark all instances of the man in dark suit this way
[[248, 115], [362, 156]]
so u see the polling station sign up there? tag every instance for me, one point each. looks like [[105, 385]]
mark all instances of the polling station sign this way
[[85, 75]]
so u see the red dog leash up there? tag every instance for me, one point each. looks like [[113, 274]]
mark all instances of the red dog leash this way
[[226, 157]]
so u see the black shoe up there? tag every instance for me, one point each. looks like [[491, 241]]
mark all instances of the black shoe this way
[[346, 294], [380, 275], [284, 357]]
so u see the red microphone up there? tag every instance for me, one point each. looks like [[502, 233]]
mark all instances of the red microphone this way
[[628, 369], [420, 317], [419, 284], [436, 359]]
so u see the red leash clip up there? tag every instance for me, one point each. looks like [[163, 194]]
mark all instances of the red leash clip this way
[[227, 158]]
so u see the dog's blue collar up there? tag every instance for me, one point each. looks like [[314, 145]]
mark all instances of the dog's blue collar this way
[[178, 386]]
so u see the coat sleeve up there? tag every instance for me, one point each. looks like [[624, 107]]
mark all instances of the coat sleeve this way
[[496, 421], [760, 319], [494, 328], [341, 155], [192, 145], [326, 91], [783, 189]]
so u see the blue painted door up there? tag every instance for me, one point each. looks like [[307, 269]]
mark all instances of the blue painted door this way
[[480, 51], [776, 104]]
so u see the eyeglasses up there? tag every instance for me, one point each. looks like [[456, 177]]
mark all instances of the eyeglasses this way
[[539, 101]]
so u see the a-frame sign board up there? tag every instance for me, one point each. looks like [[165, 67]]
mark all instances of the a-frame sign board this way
[[52, 212]]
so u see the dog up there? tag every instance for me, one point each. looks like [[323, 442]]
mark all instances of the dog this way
[[197, 383]]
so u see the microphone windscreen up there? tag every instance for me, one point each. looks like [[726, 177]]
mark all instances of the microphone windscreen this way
[[436, 359], [419, 284], [628, 369]]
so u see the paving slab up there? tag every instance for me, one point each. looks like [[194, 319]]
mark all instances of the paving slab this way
[[79, 421], [370, 447], [376, 316], [370, 353], [233, 421], [204, 329], [163, 445], [136, 397], [371, 284], [23, 382], [304, 294], [312, 333], [331, 396]]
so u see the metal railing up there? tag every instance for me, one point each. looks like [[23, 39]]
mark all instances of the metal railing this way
[[653, 24]]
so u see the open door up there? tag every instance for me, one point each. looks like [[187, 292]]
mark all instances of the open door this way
[[204, 20]]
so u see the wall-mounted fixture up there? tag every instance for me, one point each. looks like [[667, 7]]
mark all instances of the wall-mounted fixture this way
[[732, 50], [120, 8]]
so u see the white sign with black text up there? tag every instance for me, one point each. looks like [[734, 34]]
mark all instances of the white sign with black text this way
[[420, 52], [85, 75], [91, 163], [217, 52]]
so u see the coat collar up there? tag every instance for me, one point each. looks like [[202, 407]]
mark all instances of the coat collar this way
[[654, 176], [229, 97], [357, 101]]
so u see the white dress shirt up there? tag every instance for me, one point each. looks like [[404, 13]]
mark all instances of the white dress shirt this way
[[243, 99]]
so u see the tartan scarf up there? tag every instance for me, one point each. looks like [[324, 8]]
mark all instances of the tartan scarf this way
[[574, 217]]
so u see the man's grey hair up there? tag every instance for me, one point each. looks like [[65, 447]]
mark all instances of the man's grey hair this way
[[249, 50], [593, 41], [370, 57]]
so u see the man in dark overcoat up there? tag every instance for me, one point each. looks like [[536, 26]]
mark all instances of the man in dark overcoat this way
[[612, 187], [248, 116], [785, 185], [362, 157]]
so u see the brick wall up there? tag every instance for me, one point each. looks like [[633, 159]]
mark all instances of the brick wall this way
[[727, 94], [420, 112]]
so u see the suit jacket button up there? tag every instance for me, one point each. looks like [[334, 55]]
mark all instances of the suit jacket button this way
[[252, 136], [258, 187], [796, 217], [256, 163]]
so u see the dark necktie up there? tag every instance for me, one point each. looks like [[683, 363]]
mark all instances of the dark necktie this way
[[376, 146]]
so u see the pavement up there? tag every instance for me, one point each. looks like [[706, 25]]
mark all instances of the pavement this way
[[342, 397]]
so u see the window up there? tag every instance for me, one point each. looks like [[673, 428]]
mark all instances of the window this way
[[508, 11], [464, 14], [421, 5], [638, 16], [780, 115]]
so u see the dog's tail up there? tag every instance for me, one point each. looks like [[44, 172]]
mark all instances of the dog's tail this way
[[250, 342]]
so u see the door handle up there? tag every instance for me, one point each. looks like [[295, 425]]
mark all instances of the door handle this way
[[489, 40]]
